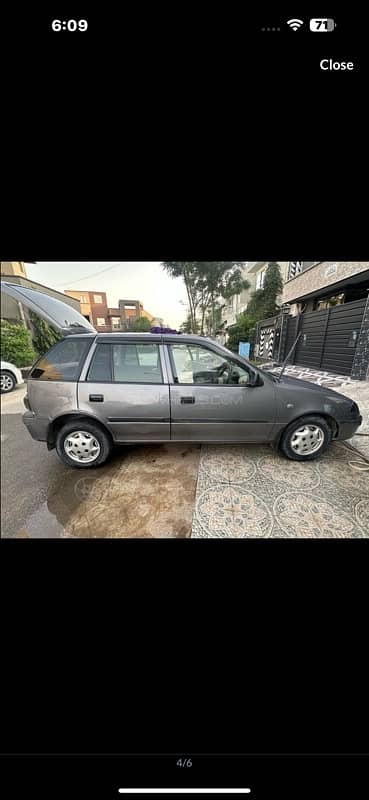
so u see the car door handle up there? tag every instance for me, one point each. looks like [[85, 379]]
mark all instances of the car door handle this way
[[96, 398], [187, 399]]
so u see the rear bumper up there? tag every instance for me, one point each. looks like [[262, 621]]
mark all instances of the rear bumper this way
[[37, 426], [347, 429]]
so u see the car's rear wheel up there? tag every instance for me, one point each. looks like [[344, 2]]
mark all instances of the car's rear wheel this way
[[306, 438], [7, 381], [83, 444]]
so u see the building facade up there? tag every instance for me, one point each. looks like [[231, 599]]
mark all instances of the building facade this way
[[11, 268], [130, 311], [315, 285], [94, 307], [254, 272], [324, 322]]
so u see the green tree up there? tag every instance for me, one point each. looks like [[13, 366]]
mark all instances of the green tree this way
[[214, 321], [263, 303], [44, 335], [16, 344], [186, 326], [140, 325], [216, 280], [242, 331], [206, 283], [187, 271]]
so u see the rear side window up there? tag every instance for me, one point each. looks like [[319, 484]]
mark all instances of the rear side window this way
[[126, 363], [136, 363], [63, 362]]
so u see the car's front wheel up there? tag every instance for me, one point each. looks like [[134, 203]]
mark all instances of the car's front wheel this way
[[83, 445], [7, 381], [306, 438]]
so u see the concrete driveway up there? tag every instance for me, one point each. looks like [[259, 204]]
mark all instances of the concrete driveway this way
[[143, 492], [251, 491]]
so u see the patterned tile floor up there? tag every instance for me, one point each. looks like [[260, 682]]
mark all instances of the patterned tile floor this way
[[251, 491], [321, 377]]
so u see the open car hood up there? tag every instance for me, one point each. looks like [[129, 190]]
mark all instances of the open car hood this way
[[65, 319]]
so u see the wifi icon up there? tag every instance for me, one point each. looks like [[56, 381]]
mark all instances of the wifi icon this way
[[295, 24]]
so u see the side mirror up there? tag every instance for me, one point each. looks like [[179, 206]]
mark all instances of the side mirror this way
[[255, 379]]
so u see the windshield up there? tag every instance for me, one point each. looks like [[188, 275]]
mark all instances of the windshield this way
[[249, 364]]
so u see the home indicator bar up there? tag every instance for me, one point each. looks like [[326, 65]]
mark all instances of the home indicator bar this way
[[184, 791]]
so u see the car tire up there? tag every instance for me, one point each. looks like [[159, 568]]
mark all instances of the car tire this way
[[8, 381], [71, 439], [299, 447]]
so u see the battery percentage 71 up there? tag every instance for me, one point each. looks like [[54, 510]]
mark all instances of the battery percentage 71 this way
[[322, 25]]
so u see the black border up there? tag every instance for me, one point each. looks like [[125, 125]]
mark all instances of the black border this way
[[227, 639], [326, 777]]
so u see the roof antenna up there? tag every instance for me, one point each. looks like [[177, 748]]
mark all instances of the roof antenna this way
[[287, 357]]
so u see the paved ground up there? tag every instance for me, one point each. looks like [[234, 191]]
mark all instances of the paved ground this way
[[250, 491], [321, 377], [143, 492]]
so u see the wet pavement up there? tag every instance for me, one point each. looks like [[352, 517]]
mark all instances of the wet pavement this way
[[144, 491]]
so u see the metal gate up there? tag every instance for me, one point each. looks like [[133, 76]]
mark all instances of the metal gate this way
[[309, 349], [268, 338], [328, 338]]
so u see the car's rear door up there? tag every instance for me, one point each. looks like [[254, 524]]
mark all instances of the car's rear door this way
[[125, 385]]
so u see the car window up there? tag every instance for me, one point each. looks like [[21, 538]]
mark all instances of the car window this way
[[63, 362], [134, 363], [101, 364], [197, 364]]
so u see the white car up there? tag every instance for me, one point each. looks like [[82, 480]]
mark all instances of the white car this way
[[10, 377]]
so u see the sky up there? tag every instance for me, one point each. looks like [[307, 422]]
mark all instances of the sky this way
[[141, 280]]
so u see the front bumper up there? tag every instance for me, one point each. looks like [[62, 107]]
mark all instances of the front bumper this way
[[37, 426], [348, 428]]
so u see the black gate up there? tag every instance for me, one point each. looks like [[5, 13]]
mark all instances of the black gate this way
[[342, 334], [328, 338], [309, 348]]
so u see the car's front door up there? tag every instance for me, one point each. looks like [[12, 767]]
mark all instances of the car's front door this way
[[212, 399], [126, 386]]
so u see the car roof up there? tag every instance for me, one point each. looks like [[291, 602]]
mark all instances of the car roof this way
[[150, 337], [147, 337]]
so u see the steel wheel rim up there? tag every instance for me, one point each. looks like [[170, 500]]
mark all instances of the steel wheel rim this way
[[307, 439], [6, 382], [82, 446]]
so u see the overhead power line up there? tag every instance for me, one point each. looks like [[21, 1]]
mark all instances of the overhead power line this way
[[91, 275]]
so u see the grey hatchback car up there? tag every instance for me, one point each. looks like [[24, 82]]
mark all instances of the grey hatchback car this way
[[93, 391]]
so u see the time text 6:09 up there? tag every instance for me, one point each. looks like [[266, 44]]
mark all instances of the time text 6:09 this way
[[69, 25]]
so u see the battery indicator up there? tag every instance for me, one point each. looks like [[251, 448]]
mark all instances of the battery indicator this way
[[322, 25]]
